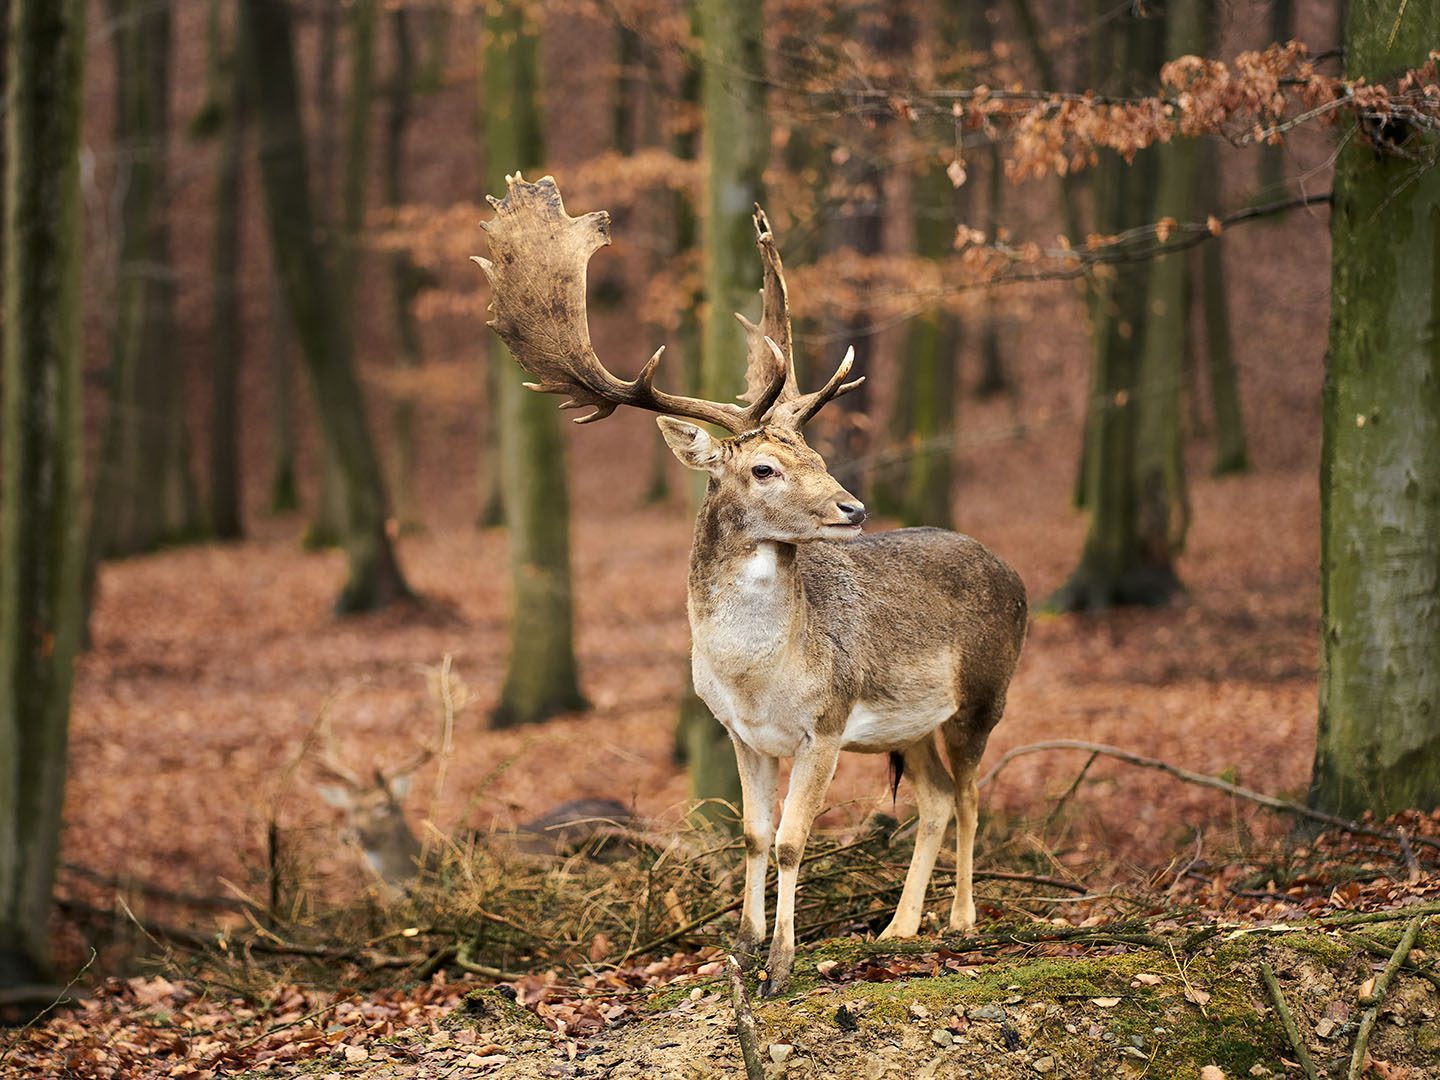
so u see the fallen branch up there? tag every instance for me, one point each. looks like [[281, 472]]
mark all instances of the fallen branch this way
[[745, 1028], [1376, 995], [463, 961], [1287, 1021], [1204, 780], [1423, 971]]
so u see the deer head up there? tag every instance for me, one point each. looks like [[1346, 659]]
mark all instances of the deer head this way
[[374, 812], [537, 269]]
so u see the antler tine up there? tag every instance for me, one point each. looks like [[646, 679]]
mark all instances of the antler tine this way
[[419, 758], [539, 255], [328, 761], [769, 341], [797, 411]]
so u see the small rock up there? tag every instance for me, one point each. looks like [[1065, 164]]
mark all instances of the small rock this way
[[1072, 1029], [1137, 1041], [1259, 1070], [919, 1012], [1043, 1065], [986, 1012], [1325, 1028], [1107, 1036], [941, 1037], [780, 1051], [354, 1055]]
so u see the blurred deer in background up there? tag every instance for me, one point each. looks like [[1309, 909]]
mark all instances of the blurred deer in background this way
[[807, 639], [375, 822]]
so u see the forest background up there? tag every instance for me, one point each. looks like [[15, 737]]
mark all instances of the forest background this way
[[1097, 348]]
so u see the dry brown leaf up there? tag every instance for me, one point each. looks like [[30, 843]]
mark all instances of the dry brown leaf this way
[[1106, 1002]]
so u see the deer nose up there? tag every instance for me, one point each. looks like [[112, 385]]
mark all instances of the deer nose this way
[[854, 511]]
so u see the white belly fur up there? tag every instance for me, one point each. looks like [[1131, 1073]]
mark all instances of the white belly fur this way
[[877, 729]]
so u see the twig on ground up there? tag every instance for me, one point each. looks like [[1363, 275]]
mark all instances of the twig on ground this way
[[745, 1029], [462, 960], [1287, 1021], [1204, 780], [1424, 971], [1377, 994], [57, 999], [1392, 915]]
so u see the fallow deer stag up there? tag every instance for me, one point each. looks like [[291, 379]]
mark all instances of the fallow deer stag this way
[[808, 639]]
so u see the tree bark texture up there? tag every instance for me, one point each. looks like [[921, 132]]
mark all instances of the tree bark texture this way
[[541, 677], [226, 339], [1112, 568], [41, 539], [1378, 745], [736, 143], [327, 529], [374, 577], [1231, 453], [406, 279], [145, 491], [1162, 506]]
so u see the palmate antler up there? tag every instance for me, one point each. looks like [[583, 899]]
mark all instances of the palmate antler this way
[[538, 258]]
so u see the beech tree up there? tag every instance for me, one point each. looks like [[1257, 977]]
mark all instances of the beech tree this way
[[226, 118], [374, 576], [1378, 744], [541, 676], [145, 493], [736, 145], [41, 547]]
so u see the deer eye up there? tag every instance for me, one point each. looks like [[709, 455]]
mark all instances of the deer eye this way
[[762, 472]]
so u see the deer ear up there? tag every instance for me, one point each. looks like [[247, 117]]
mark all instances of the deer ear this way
[[695, 447], [335, 796]]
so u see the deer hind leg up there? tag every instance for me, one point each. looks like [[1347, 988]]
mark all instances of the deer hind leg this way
[[965, 737], [810, 776], [757, 788], [934, 796]]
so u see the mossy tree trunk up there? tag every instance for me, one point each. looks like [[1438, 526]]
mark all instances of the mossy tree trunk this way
[[1112, 568], [374, 576], [687, 235], [1161, 502], [327, 528], [1378, 745], [145, 492], [736, 144], [226, 340], [931, 351], [541, 677], [406, 279], [41, 539], [1231, 453]]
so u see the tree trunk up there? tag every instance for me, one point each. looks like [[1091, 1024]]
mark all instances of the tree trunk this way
[[736, 144], [1112, 568], [327, 527], [280, 348], [931, 350], [374, 578], [41, 543], [1271, 184], [1162, 507], [1378, 745], [541, 678], [1231, 454], [225, 333], [406, 279], [145, 493]]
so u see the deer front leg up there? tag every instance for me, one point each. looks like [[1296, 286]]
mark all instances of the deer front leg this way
[[810, 776], [757, 788]]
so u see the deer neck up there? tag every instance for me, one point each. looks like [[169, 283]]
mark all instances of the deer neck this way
[[746, 587]]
